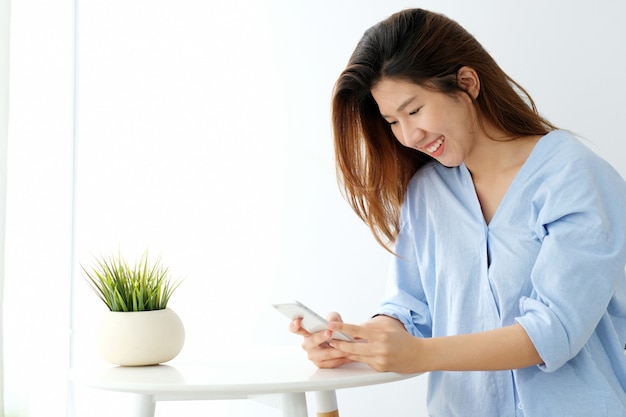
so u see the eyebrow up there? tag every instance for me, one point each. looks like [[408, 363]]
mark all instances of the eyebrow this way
[[403, 105]]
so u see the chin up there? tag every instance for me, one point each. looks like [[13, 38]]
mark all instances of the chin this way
[[449, 164]]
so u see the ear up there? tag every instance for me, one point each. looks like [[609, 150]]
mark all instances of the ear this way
[[468, 79]]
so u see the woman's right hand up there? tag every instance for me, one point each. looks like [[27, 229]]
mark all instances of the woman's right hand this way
[[316, 344]]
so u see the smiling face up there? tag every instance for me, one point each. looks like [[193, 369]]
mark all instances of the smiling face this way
[[437, 124]]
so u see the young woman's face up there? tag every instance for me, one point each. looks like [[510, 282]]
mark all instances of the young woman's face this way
[[432, 122]]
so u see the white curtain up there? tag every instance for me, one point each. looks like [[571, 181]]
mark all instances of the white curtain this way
[[4, 116]]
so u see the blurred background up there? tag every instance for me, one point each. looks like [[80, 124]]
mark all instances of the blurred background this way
[[200, 131]]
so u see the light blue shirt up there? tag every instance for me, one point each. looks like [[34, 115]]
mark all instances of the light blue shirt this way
[[552, 259]]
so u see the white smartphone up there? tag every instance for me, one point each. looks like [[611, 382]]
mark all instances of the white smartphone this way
[[311, 321]]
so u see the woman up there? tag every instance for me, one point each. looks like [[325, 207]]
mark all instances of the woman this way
[[509, 235]]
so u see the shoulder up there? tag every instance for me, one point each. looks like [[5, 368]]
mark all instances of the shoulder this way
[[561, 149], [567, 179], [560, 159]]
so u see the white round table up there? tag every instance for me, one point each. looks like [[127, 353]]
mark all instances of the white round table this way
[[282, 371]]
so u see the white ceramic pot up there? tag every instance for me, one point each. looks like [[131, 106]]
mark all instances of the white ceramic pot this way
[[140, 338]]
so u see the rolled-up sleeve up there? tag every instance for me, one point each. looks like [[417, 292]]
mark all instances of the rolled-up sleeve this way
[[404, 298], [579, 266]]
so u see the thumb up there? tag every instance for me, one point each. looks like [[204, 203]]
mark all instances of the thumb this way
[[334, 316]]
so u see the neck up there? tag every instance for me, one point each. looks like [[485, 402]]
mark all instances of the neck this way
[[496, 153]]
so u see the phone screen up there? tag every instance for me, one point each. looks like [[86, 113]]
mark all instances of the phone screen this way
[[311, 321]]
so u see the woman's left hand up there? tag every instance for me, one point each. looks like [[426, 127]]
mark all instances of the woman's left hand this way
[[383, 344]]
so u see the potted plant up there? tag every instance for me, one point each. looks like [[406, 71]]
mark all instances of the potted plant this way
[[139, 329]]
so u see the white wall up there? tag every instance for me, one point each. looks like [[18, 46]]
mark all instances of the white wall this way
[[38, 222], [4, 131], [203, 133]]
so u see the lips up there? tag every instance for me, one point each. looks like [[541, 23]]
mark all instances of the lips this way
[[435, 148]]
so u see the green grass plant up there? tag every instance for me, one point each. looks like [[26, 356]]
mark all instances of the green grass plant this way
[[142, 287]]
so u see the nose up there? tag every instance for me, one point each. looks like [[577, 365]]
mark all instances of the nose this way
[[409, 135]]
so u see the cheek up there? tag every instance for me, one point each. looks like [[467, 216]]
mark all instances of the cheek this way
[[396, 131], [459, 116], [467, 113], [471, 121]]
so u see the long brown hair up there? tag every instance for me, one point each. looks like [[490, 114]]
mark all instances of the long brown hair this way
[[428, 49]]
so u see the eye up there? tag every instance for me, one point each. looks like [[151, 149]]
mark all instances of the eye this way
[[389, 122], [414, 111]]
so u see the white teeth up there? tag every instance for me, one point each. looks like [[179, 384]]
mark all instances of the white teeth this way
[[435, 146]]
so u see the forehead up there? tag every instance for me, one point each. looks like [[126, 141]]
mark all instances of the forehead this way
[[392, 93], [394, 84]]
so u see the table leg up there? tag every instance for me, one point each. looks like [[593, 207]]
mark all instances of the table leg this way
[[144, 406], [293, 404], [326, 404]]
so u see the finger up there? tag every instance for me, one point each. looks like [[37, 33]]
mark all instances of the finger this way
[[352, 353], [295, 326], [368, 360], [352, 349], [358, 352], [334, 363], [326, 357], [313, 342], [334, 316], [324, 352], [357, 332]]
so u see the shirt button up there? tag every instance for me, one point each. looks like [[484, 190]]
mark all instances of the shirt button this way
[[519, 405]]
